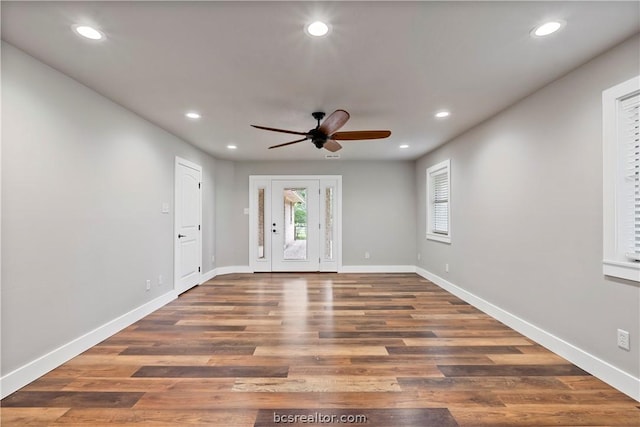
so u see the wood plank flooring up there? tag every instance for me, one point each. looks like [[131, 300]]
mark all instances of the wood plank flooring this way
[[319, 349]]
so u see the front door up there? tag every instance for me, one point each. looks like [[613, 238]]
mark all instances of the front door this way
[[295, 224], [187, 227]]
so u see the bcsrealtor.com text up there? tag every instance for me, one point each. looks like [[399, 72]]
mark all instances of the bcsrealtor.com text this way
[[319, 418]]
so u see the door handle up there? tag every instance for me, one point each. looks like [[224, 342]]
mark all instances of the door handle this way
[[181, 235]]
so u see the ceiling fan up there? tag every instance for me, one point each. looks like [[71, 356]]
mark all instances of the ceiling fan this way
[[326, 135]]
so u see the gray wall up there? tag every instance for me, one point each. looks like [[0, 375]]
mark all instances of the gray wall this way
[[227, 217], [378, 208], [83, 182], [527, 213]]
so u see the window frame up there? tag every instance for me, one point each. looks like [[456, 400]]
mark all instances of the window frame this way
[[615, 262], [443, 167]]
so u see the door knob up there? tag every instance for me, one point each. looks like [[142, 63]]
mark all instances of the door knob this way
[[181, 235]]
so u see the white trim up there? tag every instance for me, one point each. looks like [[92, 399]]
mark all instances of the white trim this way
[[233, 269], [378, 269], [623, 270], [615, 261], [208, 275], [439, 237], [623, 381], [294, 177], [265, 181], [33, 370], [432, 171], [188, 163]]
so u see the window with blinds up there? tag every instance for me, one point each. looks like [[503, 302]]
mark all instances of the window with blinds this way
[[438, 202], [629, 122], [621, 180]]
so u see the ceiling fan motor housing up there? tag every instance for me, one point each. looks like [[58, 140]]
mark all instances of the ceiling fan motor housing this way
[[317, 137]]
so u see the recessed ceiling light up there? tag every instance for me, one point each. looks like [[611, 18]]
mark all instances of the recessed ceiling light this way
[[404, 146], [193, 115], [232, 147], [547, 28], [442, 114], [88, 32], [317, 29]]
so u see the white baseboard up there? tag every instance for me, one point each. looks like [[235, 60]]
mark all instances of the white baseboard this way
[[378, 269], [233, 269], [205, 277], [35, 369], [626, 383], [345, 269]]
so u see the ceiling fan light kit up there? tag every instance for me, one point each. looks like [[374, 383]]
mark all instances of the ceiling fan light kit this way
[[325, 135]]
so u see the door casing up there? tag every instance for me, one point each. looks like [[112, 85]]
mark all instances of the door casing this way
[[179, 284], [264, 263]]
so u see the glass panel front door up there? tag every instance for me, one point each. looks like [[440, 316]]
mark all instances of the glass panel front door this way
[[295, 225]]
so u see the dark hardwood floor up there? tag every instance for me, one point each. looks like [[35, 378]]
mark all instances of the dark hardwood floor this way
[[251, 350]]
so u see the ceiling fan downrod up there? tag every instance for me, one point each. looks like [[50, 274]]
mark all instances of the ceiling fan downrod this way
[[318, 115]]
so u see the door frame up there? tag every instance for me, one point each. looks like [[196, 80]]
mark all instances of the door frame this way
[[176, 268], [264, 181]]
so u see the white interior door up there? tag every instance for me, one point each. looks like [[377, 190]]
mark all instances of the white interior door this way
[[295, 225], [188, 240]]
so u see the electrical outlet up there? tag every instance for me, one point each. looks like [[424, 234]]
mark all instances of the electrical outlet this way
[[367, 255], [419, 256], [446, 268], [623, 339], [160, 280], [213, 259], [148, 284]]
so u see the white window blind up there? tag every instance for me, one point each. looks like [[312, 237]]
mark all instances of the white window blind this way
[[440, 219], [439, 202], [630, 144], [621, 180]]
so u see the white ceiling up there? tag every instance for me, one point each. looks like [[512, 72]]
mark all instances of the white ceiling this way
[[392, 65]]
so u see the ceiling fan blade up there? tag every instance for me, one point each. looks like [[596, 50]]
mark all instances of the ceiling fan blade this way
[[287, 143], [332, 145], [361, 134], [335, 121], [279, 130]]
